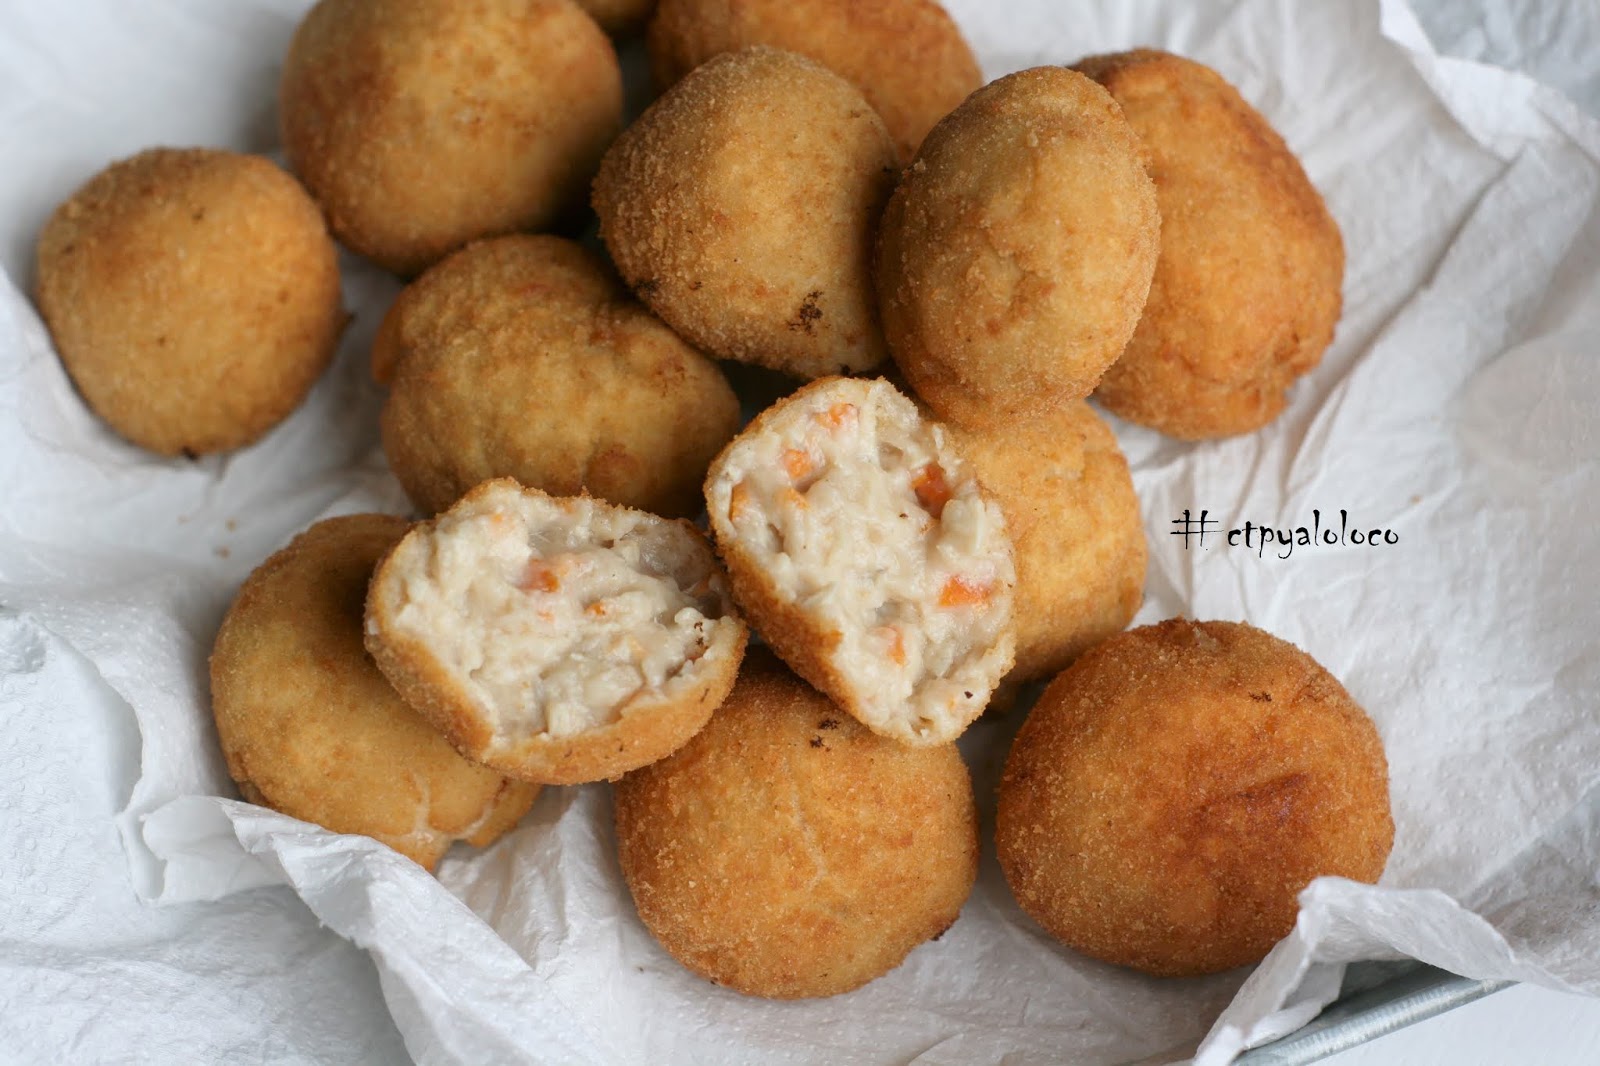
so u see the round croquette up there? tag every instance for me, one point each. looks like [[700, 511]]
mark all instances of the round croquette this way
[[1247, 289], [741, 208], [1174, 789], [907, 57], [788, 852], [1015, 255], [420, 125], [1075, 527], [311, 728], [193, 295], [523, 357]]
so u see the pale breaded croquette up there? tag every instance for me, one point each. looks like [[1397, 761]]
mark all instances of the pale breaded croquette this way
[[619, 17], [420, 125], [788, 852], [1014, 257], [193, 295], [741, 207], [311, 728], [1174, 789], [556, 640], [861, 548], [1075, 526], [524, 357], [907, 57], [1247, 290]]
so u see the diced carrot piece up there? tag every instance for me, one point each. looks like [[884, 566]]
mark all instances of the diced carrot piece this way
[[932, 489], [597, 608], [738, 501], [794, 499], [538, 577], [897, 643], [798, 463], [959, 592], [838, 416]]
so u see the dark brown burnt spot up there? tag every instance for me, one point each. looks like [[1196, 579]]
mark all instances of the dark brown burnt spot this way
[[805, 320], [816, 742], [647, 287], [828, 723], [1261, 697]]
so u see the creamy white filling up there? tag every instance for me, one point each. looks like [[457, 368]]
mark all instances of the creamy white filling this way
[[555, 614], [863, 517]]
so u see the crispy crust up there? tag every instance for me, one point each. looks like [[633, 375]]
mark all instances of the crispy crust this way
[[907, 57], [310, 727], [193, 295], [1172, 792], [647, 731], [741, 207], [1217, 349], [803, 643], [420, 125], [1075, 527], [992, 316], [787, 852], [524, 357]]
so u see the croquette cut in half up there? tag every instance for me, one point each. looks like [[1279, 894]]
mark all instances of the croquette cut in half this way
[[1247, 289], [741, 208], [860, 546], [558, 640], [310, 727], [420, 125], [788, 852], [524, 357], [1015, 256], [193, 295], [1173, 790], [907, 57]]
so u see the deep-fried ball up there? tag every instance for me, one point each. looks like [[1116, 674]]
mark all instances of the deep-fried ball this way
[[861, 546], [1174, 789], [421, 125], [311, 728], [741, 208], [556, 640], [787, 852], [1014, 258], [1247, 288], [619, 17], [907, 57], [522, 357], [1074, 522], [193, 295]]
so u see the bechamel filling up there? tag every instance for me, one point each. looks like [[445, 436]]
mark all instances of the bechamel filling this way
[[864, 518], [555, 614]]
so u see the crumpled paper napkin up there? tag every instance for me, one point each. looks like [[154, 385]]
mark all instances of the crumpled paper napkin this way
[[1452, 410]]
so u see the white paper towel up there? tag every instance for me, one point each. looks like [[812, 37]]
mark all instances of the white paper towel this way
[[1453, 409]]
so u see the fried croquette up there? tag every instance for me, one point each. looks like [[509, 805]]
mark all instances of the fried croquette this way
[[619, 17], [907, 57], [556, 640], [1074, 521], [523, 357], [1247, 289], [311, 728], [1174, 789], [741, 208], [788, 852], [420, 125], [193, 295], [1014, 258], [860, 546]]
